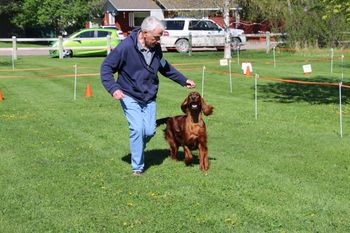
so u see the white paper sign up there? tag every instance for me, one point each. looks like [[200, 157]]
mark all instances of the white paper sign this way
[[223, 62], [307, 69], [245, 65]]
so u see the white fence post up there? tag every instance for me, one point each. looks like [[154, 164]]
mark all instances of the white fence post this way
[[60, 47], [268, 42], [14, 48], [108, 44]]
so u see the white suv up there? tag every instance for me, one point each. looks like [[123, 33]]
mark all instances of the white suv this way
[[180, 32]]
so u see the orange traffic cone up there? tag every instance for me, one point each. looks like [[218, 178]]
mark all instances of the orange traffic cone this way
[[247, 71], [88, 92], [1, 96]]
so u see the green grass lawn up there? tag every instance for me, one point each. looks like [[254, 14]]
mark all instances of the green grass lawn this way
[[65, 163]]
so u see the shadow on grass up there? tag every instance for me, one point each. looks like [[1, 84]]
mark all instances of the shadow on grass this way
[[312, 94], [5, 63], [157, 157], [152, 158]]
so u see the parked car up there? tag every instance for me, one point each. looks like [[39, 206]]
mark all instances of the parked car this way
[[204, 33], [89, 38]]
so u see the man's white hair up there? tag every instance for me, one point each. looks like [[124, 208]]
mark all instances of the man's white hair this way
[[150, 23]]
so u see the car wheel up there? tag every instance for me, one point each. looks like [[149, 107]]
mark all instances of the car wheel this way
[[67, 53], [182, 46], [235, 42]]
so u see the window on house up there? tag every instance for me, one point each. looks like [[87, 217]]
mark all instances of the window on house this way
[[139, 17]]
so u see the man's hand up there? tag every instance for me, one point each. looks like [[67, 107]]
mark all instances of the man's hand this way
[[190, 84], [118, 94]]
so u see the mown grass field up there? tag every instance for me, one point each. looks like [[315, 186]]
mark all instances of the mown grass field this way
[[65, 163]]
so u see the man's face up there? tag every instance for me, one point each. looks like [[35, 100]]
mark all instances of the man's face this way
[[152, 38]]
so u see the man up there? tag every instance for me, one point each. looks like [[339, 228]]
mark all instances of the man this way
[[137, 59]]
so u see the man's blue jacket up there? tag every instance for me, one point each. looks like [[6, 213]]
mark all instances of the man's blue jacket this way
[[135, 78]]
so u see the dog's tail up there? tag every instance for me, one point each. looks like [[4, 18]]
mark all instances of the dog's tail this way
[[162, 121]]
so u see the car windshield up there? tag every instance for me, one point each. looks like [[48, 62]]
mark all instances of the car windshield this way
[[213, 26]]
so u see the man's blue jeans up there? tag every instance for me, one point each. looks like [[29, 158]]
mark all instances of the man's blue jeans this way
[[142, 126]]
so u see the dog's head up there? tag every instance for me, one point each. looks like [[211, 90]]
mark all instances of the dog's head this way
[[195, 103]]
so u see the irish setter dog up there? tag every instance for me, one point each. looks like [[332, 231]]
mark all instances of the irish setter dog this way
[[189, 130]]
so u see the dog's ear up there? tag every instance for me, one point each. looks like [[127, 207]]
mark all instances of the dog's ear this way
[[206, 109], [184, 106]]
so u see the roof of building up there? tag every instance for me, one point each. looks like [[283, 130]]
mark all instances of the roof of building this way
[[177, 5], [127, 5], [169, 5]]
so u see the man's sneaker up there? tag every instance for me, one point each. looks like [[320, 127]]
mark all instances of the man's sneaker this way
[[137, 173]]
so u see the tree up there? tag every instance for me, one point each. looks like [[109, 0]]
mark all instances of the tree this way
[[227, 52], [8, 6], [56, 16], [272, 11], [8, 9], [336, 7], [306, 28], [302, 19]]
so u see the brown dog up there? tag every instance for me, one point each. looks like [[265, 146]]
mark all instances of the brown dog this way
[[189, 130]]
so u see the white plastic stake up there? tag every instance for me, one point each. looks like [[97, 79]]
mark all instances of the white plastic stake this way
[[229, 68], [75, 81], [256, 95], [340, 111], [342, 67], [203, 81], [13, 63], [274, 57], [340, 95], [332, 56]]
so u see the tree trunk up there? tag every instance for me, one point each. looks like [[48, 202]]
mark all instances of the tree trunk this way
[[227, 52]]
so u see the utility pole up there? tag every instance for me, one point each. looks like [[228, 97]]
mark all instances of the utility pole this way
[[227, 51]]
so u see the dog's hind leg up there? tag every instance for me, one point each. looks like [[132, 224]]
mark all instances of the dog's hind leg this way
[[170, 138], [173, 150], [173, 146]]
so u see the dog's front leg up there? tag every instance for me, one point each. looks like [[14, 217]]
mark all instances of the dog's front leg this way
[[188, 155], [203, 157]]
